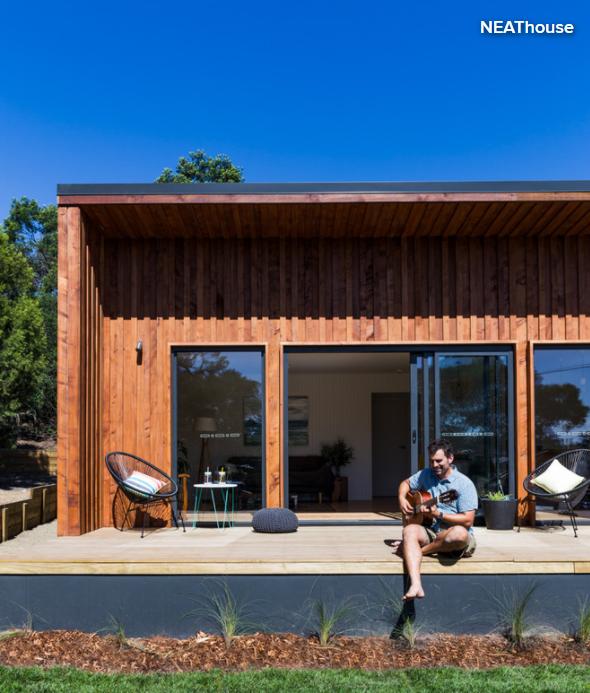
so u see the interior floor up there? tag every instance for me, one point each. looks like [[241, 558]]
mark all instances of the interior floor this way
[[386, 506]]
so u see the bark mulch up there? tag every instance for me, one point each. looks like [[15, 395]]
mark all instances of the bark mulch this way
[[102, 653]]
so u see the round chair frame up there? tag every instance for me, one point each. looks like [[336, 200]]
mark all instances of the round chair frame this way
[[168, 494], [577, 461]]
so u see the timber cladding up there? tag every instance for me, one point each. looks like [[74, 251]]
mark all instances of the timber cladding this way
[[273, 291]]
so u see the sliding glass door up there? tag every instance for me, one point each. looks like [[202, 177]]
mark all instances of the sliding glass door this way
[[466, 398]]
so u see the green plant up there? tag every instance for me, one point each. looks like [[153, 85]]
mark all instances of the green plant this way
[[496, 496], [330, 619], [512, 607], [19, 631], [116, 629], [400, 615], [225, 612], [337, 454], [582, 627]]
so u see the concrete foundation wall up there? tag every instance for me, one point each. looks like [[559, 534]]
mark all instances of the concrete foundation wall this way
[[177, 605]]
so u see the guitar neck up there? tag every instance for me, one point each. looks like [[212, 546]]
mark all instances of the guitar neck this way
[[432, 501]]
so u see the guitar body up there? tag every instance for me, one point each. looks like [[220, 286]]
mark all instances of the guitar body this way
[[418, 499]]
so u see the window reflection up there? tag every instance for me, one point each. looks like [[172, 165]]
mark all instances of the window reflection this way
[[562, 400], [219, 419], [474, 417]]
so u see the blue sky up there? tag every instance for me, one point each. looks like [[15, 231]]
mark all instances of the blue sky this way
[[306, 91]]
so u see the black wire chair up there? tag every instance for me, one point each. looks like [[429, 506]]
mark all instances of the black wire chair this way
[[121, 465], [577, 461]]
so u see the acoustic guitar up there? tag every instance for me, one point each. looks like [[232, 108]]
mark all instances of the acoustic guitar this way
[[419, 499]]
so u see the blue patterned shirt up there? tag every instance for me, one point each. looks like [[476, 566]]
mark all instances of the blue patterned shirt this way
[[426, 480]]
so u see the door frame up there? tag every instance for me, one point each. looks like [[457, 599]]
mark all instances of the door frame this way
[[180, 348], [460, 350], [413, 348]]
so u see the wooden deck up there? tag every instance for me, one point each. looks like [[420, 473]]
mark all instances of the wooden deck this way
[[320, 550]]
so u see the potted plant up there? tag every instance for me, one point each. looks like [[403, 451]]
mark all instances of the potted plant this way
[[337, 454], [499, 510]]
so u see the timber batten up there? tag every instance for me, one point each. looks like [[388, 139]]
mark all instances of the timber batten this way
[[508, 268]]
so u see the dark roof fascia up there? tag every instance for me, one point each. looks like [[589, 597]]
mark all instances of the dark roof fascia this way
[[538, 186]]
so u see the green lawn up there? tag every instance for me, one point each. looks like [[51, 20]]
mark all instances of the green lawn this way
[[521, 680]]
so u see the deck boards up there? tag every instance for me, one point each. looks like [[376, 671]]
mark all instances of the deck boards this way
[[311, 550]]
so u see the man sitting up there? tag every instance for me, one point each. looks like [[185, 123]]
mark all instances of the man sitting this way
[[447, 527]]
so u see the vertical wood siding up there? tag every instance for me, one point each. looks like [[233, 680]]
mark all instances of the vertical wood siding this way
[[276, 291], [80, 382]]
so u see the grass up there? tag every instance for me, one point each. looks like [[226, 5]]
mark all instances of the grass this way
[[512, 607], [19, 631], [116, 629], [582, 627], [399, 616], [535, 679], [223, 610], [330, 619]]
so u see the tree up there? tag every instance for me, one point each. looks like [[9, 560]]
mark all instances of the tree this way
[[201, 168], [32, 229], [23, 344]]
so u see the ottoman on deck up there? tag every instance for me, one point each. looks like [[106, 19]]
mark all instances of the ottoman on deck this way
[[274, 521]]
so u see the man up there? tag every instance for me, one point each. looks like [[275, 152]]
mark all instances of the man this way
[[451, 529]]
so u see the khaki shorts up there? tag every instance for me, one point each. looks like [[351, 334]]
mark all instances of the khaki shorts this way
[[467, 552]]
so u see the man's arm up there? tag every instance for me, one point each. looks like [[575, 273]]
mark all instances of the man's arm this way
[[465, 519]]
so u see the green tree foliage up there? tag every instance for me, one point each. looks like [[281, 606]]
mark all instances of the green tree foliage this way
[[23, 344], [198, 167], [31, 229]]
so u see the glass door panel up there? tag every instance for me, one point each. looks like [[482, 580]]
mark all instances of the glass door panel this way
[[219, 419], [423, 420], [465, 398], [473, 407]]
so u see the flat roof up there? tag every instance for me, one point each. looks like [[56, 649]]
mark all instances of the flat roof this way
[[415, 187]]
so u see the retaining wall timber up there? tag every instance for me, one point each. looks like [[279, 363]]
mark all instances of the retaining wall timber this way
[[29, 461], [18, 516]]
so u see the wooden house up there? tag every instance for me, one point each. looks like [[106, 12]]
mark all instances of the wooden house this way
[[247, 325]]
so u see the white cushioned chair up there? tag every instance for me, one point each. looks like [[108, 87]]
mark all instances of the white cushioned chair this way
[[559, 483]]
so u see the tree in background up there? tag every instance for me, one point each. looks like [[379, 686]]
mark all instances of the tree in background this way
[[31, 229], [201, 168], [23, 344], [28, 298]]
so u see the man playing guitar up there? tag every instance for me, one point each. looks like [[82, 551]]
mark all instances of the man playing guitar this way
[[447, 527]]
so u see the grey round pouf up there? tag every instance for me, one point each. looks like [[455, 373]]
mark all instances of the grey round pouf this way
[[274, 520]]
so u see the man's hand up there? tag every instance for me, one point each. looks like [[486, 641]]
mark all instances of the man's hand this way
[[406, 507], [430, 512]]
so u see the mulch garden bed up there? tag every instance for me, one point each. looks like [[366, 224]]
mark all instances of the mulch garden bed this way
[[108, 653]]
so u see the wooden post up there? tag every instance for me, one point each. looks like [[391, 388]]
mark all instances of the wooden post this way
[[70, 409], [273, 425], [523, 413]]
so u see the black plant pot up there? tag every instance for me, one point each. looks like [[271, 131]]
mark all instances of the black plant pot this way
[[500, 514]]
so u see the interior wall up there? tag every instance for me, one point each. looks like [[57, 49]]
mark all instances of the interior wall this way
[[340, 406]]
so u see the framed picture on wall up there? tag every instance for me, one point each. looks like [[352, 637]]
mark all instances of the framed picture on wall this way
[[298, 420]]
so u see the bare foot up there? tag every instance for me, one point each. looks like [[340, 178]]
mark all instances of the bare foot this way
[[413, 593]]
